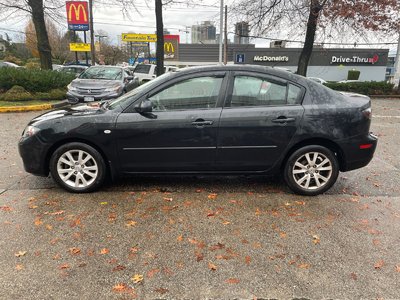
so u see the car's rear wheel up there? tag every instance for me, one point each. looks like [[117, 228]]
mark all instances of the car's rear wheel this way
[[78, 167], [311, 170]]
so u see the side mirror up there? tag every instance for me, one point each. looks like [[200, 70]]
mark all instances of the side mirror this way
[[129, 78], [146, 106]]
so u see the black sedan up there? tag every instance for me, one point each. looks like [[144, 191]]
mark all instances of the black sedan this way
[[101, 83], [207, 120]]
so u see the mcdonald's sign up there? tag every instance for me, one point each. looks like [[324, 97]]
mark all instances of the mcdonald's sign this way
[[77, 15], [171, 47]]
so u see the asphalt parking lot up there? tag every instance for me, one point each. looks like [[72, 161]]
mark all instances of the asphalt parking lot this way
[[202, 237]]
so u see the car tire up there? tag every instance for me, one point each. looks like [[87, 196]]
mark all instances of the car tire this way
[[311, 170], [78, 168]]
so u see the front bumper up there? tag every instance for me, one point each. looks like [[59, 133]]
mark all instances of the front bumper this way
[[358, 152], [33, 154], [74, 97]]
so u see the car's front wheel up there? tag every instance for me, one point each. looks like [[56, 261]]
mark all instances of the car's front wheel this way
[[78, 167], [311, 170]]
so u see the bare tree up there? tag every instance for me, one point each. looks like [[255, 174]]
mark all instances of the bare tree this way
[[324, 18], [37, 9]]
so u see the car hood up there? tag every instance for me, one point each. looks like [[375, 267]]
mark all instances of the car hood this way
[[94, 83], [74, 111]]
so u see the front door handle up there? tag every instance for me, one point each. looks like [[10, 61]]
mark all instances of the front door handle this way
[[201, 122], [282, 120]]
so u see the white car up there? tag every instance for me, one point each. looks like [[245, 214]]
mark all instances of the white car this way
[[349, 81], [317, 79], [147, 72], [6, 64]]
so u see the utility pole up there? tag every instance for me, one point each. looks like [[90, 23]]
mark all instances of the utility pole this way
[[221, 29], [92, 49], [226, 36]]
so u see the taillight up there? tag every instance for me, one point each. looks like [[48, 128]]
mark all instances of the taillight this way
[[367, 113]]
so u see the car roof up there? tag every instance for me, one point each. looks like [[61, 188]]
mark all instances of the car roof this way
[[243, 68]]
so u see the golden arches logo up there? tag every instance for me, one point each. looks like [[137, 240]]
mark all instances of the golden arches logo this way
[[77, 11], [169, 47]]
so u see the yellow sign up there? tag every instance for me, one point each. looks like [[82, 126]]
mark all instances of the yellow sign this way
[[168, 47], [80, 47], [139, 38]]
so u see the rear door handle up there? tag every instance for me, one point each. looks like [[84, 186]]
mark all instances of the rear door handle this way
[[202, 122], [283, 120]]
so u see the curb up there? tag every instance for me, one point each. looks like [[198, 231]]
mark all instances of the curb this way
[[33, 107], [385, 96]]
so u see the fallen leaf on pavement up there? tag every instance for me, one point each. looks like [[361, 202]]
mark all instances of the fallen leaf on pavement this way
[[247, 259], [212, 196], [137, 278], [63, 266], [161, 291], [303, 266], [179, 238], [131, 223], [20, 253], [120, 287], [74, 250], [19, 267], [398, 268], [353, 276], [118, 268], [104, 251], [316, 239], [38, 221], [217, 247], [212, 267], [379, 264], [152, 272], [5, 208], [232, 281], [103, 203]]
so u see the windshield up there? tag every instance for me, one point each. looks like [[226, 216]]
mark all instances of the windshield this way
[[106, 73], [146, 86]]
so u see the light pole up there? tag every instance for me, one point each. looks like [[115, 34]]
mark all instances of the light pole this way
[[92, 50], [221, 29]]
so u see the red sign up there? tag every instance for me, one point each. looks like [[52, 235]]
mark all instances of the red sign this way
[[171, 37], [77, 15]]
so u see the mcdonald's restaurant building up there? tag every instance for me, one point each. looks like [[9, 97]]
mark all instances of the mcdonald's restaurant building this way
[[331, 64]]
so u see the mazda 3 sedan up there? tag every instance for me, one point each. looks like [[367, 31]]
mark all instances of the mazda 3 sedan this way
[[207, 120]]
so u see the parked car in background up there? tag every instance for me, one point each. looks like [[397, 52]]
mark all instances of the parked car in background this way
[[237, 119], [73, 69], [6, 64], [317, 79], [349, 81], [100, 83], [147, 72]]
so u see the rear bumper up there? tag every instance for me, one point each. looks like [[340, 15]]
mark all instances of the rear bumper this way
[[358, 152]]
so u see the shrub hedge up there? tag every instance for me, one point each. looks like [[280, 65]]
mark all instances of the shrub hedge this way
[[18, 93], [33, 80], [369, 88]]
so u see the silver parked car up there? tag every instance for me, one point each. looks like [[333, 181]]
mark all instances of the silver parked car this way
[[101, 83]]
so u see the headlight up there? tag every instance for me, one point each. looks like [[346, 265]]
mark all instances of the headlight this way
[[114, 88], [71, 88], [30, 131]]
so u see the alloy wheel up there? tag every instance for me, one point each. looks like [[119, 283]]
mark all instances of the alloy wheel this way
[[77, 168], [312, 170]]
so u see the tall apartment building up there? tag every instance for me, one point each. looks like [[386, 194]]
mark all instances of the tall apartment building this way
[[242, 31], [204, 33]]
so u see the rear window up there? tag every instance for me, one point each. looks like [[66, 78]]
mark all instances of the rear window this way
[[142, 69]]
